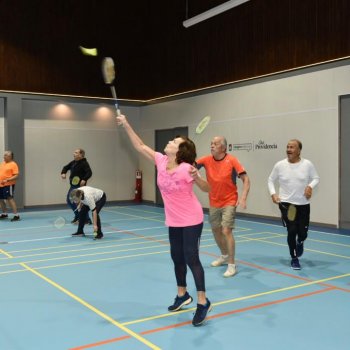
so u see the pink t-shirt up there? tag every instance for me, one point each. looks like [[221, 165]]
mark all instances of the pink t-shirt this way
[[182, 207]]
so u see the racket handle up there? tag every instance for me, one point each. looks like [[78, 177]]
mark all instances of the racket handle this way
[[114, 94]]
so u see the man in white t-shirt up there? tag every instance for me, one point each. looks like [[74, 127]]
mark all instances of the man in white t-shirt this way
[[89, 198], [297, 177]]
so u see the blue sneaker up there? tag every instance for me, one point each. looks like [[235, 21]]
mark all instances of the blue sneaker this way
[[295, 264], [201, 313], [179, 302], [299, 249]]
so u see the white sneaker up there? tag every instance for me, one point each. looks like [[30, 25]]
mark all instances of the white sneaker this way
[[231, 270], [220, 261]]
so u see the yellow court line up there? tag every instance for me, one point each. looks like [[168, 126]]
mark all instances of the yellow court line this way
[[306, 249], [91, 261], [229, 301], [101, 244], [86, 262], [92, 308], [80, 255], [138, 216], [109, 252], [91, 248], [328, 242], [5, 253], [309, 239]]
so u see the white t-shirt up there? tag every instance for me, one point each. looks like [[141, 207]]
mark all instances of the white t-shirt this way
[[91, 196], [293, 179]]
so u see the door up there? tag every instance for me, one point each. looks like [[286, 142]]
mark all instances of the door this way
[[162, 138]]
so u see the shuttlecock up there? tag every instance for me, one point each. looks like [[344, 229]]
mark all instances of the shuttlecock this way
[[88, 52]]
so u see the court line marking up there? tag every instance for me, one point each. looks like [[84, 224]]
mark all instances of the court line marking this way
[[126, 256], [99, 253], [247, 297], [92, 308], [262, 240], [312, 283], [223, 314], [280, 226], [313, 240], [161, 211], [101, 245], [245, 309]]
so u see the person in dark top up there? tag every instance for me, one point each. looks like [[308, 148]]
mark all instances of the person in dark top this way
[[80, 173]]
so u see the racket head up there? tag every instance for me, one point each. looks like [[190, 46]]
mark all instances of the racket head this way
[[291, 212], [202, 124], [59, 222], [108, 70], [75, 180]]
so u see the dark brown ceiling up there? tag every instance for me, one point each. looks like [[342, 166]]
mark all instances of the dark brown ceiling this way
[[155, 55]]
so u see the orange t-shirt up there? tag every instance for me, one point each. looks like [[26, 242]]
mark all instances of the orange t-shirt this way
[[222, 175], [7, 170]]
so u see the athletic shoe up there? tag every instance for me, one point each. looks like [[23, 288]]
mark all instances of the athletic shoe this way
[[299, 249], [179, 302], [223, 259], [75, 221], [201, 313], [295, 264], [78, 234], [231, 270], [4, 216], [16, 218], [98, 235]]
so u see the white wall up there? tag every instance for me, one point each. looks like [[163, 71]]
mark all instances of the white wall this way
[[303, 106], [52, 133]]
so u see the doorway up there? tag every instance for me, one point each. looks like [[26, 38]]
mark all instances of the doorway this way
[[162, 138], [344, 163]]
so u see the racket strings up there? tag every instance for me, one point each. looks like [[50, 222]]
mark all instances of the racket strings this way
[[291, 211], [108, 70]]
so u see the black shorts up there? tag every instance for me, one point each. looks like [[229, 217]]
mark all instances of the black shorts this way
[[7, 192]]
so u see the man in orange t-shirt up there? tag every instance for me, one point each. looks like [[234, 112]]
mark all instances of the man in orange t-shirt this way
[[8, 174], [222, 170]]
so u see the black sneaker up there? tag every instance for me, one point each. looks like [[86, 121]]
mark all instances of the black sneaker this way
[[294, 264], [201, 313], [98, 235], [78, 234], [75, 221], [299, 249], [16, 218], [179, 302], [4, 216]]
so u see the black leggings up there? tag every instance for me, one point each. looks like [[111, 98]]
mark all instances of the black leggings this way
[[297, 229], [84, 211], [184, 249]]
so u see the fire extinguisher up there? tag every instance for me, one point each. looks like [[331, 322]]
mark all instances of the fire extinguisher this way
[[138, 186]]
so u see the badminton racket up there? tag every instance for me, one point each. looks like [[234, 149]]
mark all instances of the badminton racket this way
[[291, 211], [75, 180], [202, 124], [108, 72], [59, 222]]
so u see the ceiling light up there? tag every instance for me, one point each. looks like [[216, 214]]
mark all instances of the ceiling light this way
[[213, 12]]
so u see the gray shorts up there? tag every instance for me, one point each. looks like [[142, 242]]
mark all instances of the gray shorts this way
[[222, 217]]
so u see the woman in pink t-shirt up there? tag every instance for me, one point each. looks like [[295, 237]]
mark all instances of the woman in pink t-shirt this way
[[183, 213]]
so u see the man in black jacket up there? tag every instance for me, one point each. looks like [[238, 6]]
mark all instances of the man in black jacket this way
[[80, 172]]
